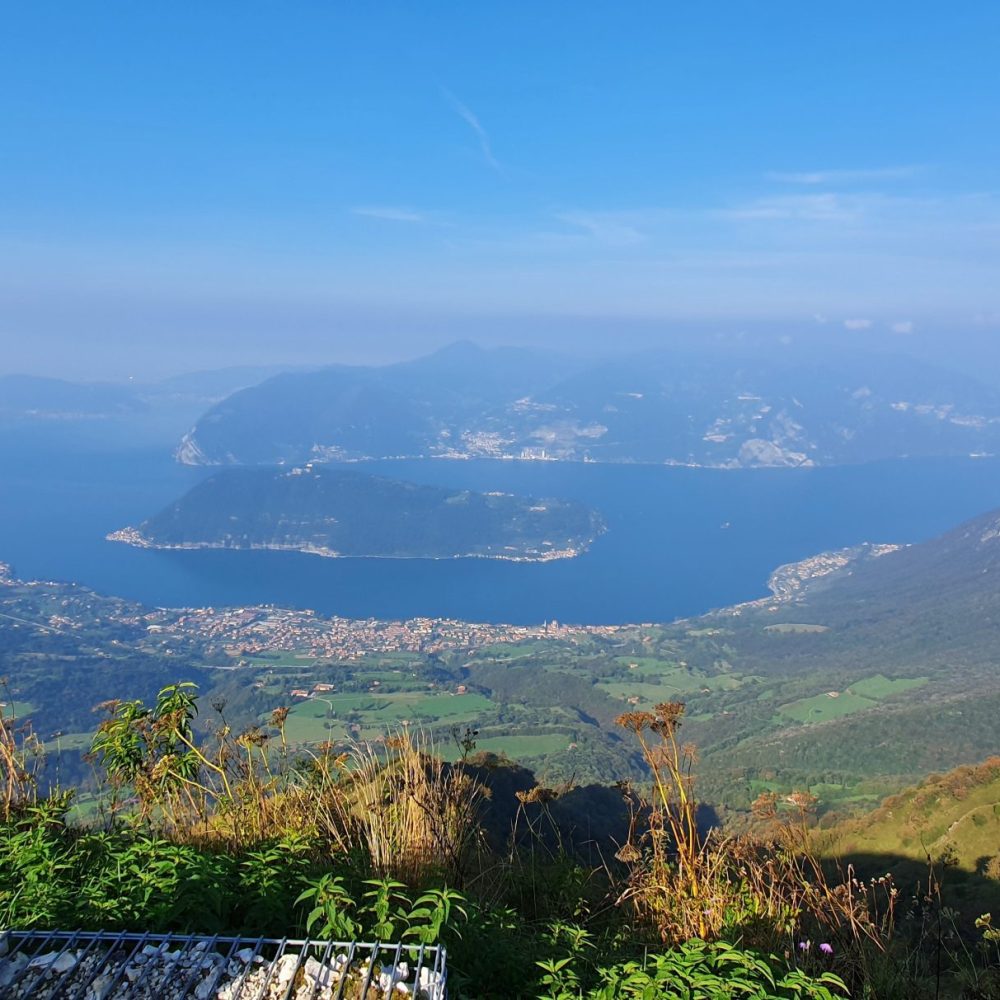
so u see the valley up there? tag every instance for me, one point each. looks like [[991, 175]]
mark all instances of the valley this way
[[825, 685]]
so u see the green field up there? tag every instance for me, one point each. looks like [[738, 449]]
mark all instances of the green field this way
[[513, 650], [648, 665], [672, 684], [303, 726], [16, 709], [285, 659], [402, 658], [863, 694], [880, 686], [523, 747], [823, 707], [70, 741], [323, 718], [796, 629], [517, 747]]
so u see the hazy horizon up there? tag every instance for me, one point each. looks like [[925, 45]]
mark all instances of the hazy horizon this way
[[187, 189], [975, 354]]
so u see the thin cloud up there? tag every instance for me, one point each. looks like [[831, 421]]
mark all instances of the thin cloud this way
[[606, 227], [815, 177], [857, 324], [470, 119], [826, 207], [903, 326], [389, 213]]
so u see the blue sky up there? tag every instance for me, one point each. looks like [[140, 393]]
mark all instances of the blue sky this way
[[192, 184]]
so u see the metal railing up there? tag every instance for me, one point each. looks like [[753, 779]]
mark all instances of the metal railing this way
[[108, 965]]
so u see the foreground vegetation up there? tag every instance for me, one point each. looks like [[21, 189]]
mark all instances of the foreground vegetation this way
[[240, 832]]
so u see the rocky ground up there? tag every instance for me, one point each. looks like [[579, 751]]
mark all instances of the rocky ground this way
[[171, 970]]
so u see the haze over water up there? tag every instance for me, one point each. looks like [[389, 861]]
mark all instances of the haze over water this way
[[679, 541]]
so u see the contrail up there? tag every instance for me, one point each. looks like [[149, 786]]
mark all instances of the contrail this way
[[469, 117]]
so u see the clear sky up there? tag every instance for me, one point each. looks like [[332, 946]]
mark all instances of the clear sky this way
[[209, 182]]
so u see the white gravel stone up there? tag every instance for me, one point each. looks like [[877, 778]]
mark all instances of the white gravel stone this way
[[431, 984], [204, 973], [286, 967], [11, 968], [321, 974], [100, 987]]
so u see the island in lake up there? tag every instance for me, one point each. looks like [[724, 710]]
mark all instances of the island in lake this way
[[339, 513]]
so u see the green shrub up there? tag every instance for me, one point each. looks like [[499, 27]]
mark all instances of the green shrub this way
[[696, 970]]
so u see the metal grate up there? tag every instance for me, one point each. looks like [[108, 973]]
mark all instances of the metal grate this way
[[103, 965]]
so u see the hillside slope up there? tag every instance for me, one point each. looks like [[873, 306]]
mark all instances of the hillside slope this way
[[955, 816], [888, 666]]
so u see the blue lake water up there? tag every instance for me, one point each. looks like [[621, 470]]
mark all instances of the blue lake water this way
[[679, 541]]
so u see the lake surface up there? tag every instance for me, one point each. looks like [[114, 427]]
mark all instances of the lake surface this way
[[679, 541]]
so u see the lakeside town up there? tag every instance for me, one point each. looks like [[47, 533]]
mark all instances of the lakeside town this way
[[249, 631], [240, 633]]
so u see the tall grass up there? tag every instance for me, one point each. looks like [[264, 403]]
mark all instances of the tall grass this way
[[396, 804], [22, 757], [410, 811], [769, 887]]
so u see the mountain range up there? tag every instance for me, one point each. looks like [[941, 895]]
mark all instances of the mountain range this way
[[32, 398], [670, 406]]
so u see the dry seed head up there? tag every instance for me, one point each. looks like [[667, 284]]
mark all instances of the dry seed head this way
[[630, 854], [170, 721], [252, 737], [803, 801], [669, 712], [541, 795], [162, 767], [538, 794], [636, 721], [764, 806]]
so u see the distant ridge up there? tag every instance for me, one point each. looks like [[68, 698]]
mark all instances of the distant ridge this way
[[40, 398], [672, 407]]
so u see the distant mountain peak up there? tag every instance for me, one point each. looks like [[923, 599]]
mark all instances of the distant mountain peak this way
[[464, 348]]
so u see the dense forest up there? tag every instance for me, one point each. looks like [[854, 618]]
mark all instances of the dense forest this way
[[346, 513]]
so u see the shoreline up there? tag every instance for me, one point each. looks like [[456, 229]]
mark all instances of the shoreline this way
[[730, 465], [133, 537]]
